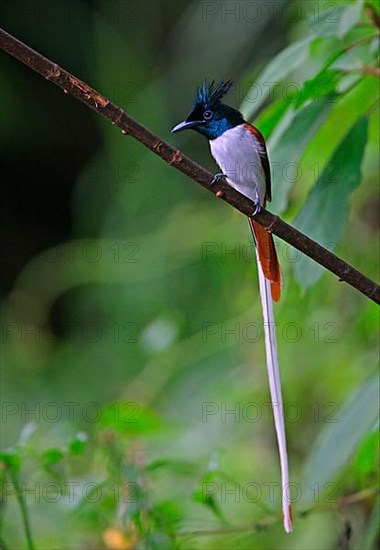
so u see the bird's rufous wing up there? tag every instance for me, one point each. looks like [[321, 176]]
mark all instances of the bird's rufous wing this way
[[264, 159]]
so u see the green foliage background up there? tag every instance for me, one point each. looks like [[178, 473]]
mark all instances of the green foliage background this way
[[148, 318]]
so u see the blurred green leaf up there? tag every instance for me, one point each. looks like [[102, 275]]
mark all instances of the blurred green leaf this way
[[130, 418], [323, 85], [78, 444], [337, 441], [52, 456], [167, 515], [181, 467], [346, 110], [334, 19], [11, 460], [280, 67], [326, 209], [270, 116], [205, 495], [348, 81], [289, 147], [374, 46], [366, 461], [355, 58]]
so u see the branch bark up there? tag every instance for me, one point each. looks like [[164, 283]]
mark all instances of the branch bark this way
[[99, 103]]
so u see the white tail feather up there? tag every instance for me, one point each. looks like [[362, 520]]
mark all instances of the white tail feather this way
[[275, 391]]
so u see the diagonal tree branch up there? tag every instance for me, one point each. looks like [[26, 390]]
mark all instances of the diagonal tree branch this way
[[96, 101]]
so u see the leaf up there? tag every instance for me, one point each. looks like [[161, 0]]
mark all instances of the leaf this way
[[350, 16], [11, 460], [129, 418], [357, 57], [326, 209], [78, 444], [324, 84], [52, 456], [270, 116], [367, 458], [335, 19], [345, 112], [288, 148], [167, 515], [181, 467], [374, 47], [205, 494], [280, 67], [211, 503], [337, 442]]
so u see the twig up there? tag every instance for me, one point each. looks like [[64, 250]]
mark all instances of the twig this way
[[96, 101], [343, 502], [365, 69], [373, 15], [358, 42], [348, 500], [24, 510], [346, 49]]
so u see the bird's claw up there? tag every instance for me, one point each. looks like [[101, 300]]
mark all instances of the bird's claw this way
[[217, 178], [256, 209]]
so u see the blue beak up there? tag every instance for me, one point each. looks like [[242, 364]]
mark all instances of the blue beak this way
[[185, 125]]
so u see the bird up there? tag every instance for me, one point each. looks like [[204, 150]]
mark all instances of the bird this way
[[240, 151]]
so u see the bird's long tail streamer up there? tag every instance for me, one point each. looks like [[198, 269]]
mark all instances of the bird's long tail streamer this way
[[266, 293]]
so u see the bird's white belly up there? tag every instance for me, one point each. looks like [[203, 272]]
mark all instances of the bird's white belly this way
[[237, 152]]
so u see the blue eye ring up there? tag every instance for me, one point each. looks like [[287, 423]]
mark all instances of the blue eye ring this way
[[207, 115]]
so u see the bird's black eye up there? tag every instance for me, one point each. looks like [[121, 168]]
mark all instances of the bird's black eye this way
[[207, 115]]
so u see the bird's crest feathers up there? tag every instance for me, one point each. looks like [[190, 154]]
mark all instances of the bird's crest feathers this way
[[210, 94]]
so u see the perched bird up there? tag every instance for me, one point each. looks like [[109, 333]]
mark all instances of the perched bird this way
[[239, 149]]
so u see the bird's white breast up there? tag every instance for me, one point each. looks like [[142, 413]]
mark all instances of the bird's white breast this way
[[237, 152]]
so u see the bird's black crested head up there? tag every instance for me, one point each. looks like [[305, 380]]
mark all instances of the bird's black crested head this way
[[208, 96], [209, 115]]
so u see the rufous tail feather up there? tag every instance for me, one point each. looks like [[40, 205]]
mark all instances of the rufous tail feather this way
[[269, 284], [268, 257]]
